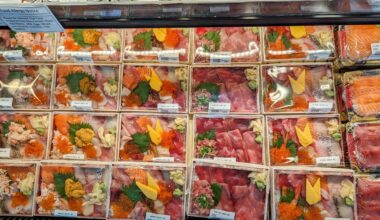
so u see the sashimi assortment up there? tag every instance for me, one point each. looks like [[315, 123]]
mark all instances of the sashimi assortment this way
[[311, 194], [237, 44], [299, 43], [159, 138], [145, 87], [157, 44], [298, 88], [235, 191], [26, 86], [17, 183], [26, 46], [305, 140], [84, 136], [238, 138], [87, 45], [368, 189], [147, 192], [86, 87], [238, 86], [24, 135], [78, 189]]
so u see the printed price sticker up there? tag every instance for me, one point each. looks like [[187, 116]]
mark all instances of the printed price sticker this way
[[13, 56], [168, 108], [325, 87], [319, 55], [220, 58], [5, 152], [220, 214], [6, 103], [65, 213], [219, 8], [82, 57], [375, 47], [73, 156], [328, 160], [168, 57], [225, 159], [219, 107], [320, 107], [81, 105], [152, 216], [163, 159]]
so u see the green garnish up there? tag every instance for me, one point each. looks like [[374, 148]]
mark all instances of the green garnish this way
[[259, 139], [146, 37], [348, 201], [277, 143], [292, 148], [207, 135], [15, 75], [329, 93], [252, 85], [272, 36], [286, 42], [205, 150], [287, 196], [301, 202], [300, 218], [5, 126], [260, 185], [23, 49], [142, 140], [75, 127], [337, 136], [206, 48], [202, 201], [212, 88], [132, 192], [213, 36], [73, 80], [177, 192], [78, 37], [142, 90], [59, 182], [217, 190], [12, 34]]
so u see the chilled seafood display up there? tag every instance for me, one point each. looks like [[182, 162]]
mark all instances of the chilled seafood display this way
[[319, 193], [86, 87], [368, 189], [157, 44], [148, 192], [147, 87], [298, 88], [237, 138], [73, 190], [224, 45], [84, 136]]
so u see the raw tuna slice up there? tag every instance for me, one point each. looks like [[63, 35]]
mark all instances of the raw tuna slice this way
[[368, 189]]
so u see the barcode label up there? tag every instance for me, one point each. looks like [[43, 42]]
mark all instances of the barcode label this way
[[6, 103], [5, 152], [168, 108], [81, 105], [320, 107], [73, 156], [153, 216], [168, 57], [220, 58], [219, 107], [65, 213], [220, 214], [13, 56]]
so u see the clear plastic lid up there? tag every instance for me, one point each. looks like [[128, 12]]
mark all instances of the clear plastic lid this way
[[367, 194]]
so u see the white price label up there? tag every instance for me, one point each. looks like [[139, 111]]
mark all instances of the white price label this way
[[375, 47], [328, 160], [220, 214], [163, 159], [73, 156], [153, 216], [65, 213], [6, 103], [82, 57], [320, 107], [81, 105], [168, 108], [219, 107], [13, 56], [168, 57], [220, 58], [319, 55], [5, 152], [325, 87], [219, 8], [225, 159], [172, 10], [329, 218]]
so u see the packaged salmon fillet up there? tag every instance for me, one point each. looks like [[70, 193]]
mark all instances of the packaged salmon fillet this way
[[298, 43], [86, 87], [359, 44], [73, 189], [298, 88], [24, 135], [368, 190], [148, 191], [220, 190], [18, 181], [165, 45], [313, 193], [229, 138], [305, 140], [216, 45]]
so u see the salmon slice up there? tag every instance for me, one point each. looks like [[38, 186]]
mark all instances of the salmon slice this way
[[359, 39]]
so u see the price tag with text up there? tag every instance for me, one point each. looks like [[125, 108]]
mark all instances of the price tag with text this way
[[167, 108], [5, 152], [320, 107], [6, 103], [13, 56], [220, 58], [219, 107], [81, 105], [153, 216], [220, 214], [73, 156], [65, 213], [168, 57]]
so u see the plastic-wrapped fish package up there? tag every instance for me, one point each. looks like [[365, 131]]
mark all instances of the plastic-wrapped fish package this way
[[224, 191], [218, 45], [313, 193], [157, 138], [298, 88], [26, 46], [155, 88], [86, 87], [168, 45], [305, 140], [229, 138], [302, 43], [73, 189], [227, 89], [88, 45], [26, 86], [84, 136], [18, 180], [148, 191], [367, 195], [24, 135]]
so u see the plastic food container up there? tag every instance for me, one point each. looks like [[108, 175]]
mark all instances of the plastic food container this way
[[25, 87], [154, 88], [367, 191], [26, 46], [148, 191], [226, 89], [217, 45], [168, 45], [72, 189], [24, 135], [153, 138], [219, 190], [305, 140], [298, 88], [86, 87], [313, 193], [302, 43], [18, 182], [90, 45], [84, 136], [229, 138]]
